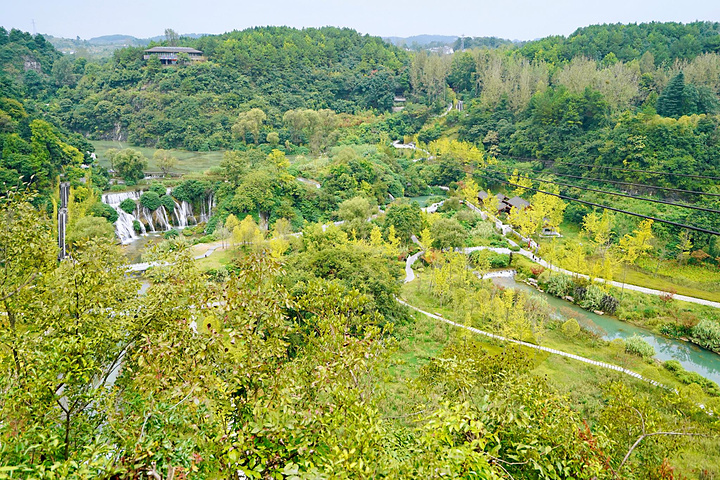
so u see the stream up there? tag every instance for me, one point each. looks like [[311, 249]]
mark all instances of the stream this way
[[690, 356]]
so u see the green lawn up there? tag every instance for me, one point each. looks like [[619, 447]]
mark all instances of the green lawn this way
[[691, 280], [559, 369], [215, 260], [188, 162]]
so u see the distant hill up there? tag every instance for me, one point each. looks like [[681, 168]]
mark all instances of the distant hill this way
[[422, 40], [433, 42], [117, 39], [483, 42], [105, 45]]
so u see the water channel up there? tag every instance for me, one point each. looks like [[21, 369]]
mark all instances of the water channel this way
[[692, 357]]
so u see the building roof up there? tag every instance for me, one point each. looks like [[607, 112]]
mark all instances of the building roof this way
[[482, 195], [501, 197], [518, 203], [172, 50]]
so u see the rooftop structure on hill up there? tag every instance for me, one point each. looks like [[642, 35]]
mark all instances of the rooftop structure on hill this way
[[170, 55], [519, 203]]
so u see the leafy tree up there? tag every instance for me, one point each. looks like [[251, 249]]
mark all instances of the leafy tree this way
[[273, 138], [247, 232], [470, 190], [249, 122], [128, 205], [171, 37], [150, 200], [89, 228], [100, 209], [636, 245], [447, 233], [406, 218], [356, 212], [190, 191], [165, 160], [130, 164]]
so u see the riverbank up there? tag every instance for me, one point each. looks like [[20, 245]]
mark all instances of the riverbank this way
[[702, 362]]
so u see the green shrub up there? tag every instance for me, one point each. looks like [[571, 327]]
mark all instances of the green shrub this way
[[128, 205], [637, 346], [450, 205], [559, 285], [689, 378], [168, 203], [469, 218], [571, 328], [137, 226], [592, 299], [117, 188], [493, 259], [99, 209], [171, 234], [158, 188], [707, 334], [673, 366], [609, 304], [617, 345], [483, 230], [150, 200]]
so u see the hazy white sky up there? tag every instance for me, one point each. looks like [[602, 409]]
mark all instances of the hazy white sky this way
[[514, 19]]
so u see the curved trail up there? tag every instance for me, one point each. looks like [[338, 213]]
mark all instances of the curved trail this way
[[410, 276], [540, 261]]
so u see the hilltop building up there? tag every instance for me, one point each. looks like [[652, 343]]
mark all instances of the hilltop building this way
[[169, 55]]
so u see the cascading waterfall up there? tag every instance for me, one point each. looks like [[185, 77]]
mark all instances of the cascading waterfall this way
[[158, 221], [124, 227], [207, 208], [183, 214]]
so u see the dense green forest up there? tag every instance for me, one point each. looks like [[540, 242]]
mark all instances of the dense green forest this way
[[262, 340]]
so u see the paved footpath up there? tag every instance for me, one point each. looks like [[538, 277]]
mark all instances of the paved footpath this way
[[410, 276], [540, 261], [537, 347]]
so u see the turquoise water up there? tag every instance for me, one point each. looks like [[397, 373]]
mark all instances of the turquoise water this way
[[423, 200], [133, 251], [690, 356]]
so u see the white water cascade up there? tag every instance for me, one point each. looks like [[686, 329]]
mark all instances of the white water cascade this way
[[206, 208], [157, 221], [124, 227]]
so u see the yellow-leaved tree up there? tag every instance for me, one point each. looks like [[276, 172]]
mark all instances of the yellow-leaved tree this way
[[463, 152], [247, 232], [637, 245], [469, 191], [520, 183]]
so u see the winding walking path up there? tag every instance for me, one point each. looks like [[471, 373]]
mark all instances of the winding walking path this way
[[410, 276], [540, 261]]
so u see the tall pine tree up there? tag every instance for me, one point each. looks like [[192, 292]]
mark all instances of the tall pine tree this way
[[672, 99]]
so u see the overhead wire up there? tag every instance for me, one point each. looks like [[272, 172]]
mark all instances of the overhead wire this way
[[685, 175], [606, 207], [640, 185], [605, 192]]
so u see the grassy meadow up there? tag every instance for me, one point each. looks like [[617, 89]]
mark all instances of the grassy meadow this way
[[188, 162]]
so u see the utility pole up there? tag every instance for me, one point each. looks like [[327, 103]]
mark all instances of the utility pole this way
[[34, 30], [62, 218]]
